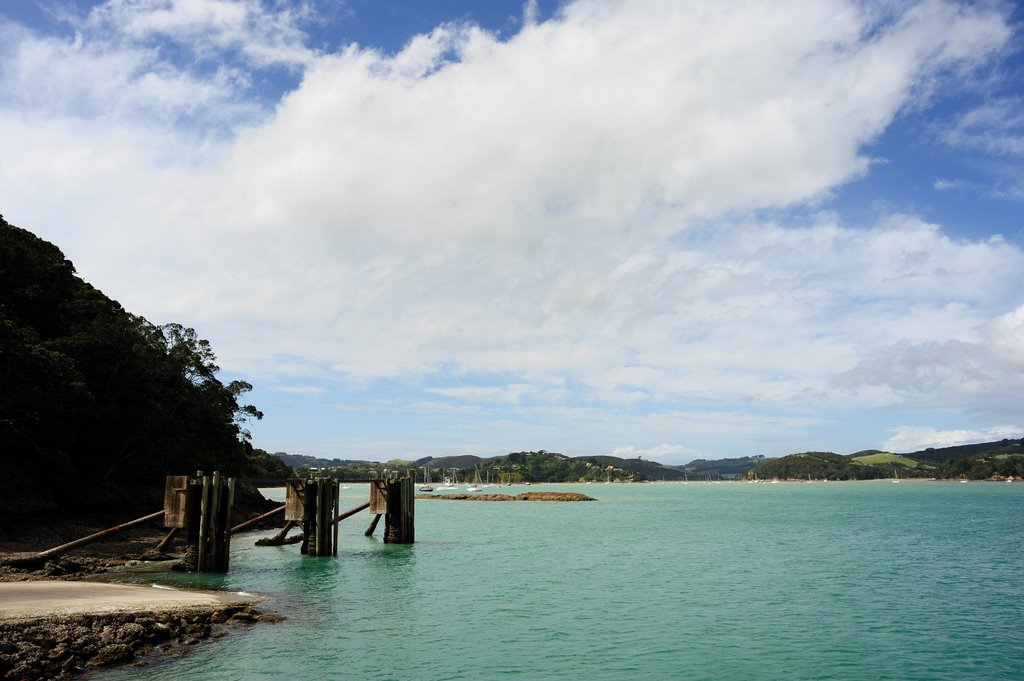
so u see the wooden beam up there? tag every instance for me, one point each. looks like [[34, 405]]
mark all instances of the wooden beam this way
[[96, 536]]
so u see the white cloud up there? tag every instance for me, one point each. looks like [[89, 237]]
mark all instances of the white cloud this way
[[577, 125], [163, 64], [569, 217], [660, 453], [514, 393], [997, 127], [260, 35], [915, 438], [996, 130], [302, 390], [986, 371], [943, 184]]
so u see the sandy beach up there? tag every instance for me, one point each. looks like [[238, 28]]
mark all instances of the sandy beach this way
[[32, 600], [56, 623]]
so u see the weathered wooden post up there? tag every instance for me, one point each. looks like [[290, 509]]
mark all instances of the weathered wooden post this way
[[314, 503], [326, 530], [378, 503], [295, 507], [394, 498], [201, 506]]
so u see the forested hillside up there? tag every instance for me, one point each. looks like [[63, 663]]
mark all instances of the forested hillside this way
[[98, 404], [984, 461]]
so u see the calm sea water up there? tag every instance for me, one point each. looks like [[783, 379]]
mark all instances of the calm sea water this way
[[869, 580]]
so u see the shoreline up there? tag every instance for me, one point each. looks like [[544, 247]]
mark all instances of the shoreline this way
[[39, 599], [64, 645], [526, 496], [58, 621], [57, 629]]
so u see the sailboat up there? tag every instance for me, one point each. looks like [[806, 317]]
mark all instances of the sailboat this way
[[896, 476], [448, 484], [425, 487], [475, 485]]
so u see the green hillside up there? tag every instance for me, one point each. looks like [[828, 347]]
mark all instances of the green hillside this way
[[884, 459], [972, 461], [98, 404], [982, 449], [540, 466], [831, 466], [728, 469]]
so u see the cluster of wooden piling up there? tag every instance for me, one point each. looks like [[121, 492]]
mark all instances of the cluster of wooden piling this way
[[201, 506], [314, 503], [394, 499]]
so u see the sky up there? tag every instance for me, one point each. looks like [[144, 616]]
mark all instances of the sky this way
[[652, 228]]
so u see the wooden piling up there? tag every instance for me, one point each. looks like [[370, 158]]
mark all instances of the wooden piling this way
[[206, 515], [394, 498], [399, 525], [326, 510], [334, 518], [378, 504], [204, 523], [314, 503]]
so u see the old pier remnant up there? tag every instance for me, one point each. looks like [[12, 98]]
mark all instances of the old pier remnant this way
[[314, 503], [201, 506], [394, 498]]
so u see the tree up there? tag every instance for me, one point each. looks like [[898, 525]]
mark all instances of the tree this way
[[94, 396]]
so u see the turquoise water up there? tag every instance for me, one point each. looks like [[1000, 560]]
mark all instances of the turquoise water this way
[[866, 580]]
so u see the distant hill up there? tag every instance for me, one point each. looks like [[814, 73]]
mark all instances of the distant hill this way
[[997, 460], [867, 452], [542, 466], [305, 461], [651, 470], [699, 469], [831, 466], [886, 459], [461, 461], [977, 461], [967, 451]]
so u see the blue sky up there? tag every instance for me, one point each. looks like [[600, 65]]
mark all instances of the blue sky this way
[[648, 228]]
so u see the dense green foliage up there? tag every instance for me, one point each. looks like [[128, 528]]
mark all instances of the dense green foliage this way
[[98, 400], [516, 467], [984, 449], [726, 469], [826, 465], [264, 465], [996, 466]]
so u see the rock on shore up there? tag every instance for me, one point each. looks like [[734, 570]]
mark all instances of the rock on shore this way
[[60, 647]]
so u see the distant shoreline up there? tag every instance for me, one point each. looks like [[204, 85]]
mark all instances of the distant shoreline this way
[[526, 496]]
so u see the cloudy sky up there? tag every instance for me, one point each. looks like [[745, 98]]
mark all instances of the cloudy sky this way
[[649, 228]]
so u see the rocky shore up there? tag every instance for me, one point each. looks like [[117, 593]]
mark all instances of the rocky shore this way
[[63, 645], [60, 647]]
